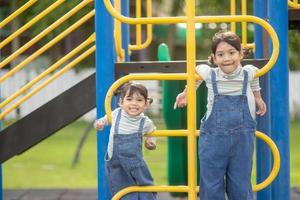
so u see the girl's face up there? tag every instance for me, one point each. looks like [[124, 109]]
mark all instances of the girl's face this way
[[227, 58], [133, 105]]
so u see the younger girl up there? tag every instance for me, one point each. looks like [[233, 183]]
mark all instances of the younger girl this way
[[227, 136], [125, 165]]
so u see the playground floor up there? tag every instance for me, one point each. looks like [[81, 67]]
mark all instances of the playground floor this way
[[83, 194]]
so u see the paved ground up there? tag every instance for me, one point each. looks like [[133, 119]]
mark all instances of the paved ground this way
[[82, 194]]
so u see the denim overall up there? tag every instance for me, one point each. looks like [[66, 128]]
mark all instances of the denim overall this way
[[226, 146], [127, 166]]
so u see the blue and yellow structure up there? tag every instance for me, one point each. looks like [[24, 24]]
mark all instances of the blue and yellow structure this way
[[111, 43], [276, 56]]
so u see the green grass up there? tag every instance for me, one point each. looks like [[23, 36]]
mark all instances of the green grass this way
[[48, 165]]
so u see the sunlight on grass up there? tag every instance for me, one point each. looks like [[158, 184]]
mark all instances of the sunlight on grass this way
[[48, 165]]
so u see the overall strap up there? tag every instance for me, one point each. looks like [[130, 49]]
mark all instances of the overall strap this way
[[214, 82], [245, 82], [117, 124], [141, 127]]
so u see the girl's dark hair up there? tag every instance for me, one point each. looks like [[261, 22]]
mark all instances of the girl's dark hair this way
[[228, 37], [131, 88]]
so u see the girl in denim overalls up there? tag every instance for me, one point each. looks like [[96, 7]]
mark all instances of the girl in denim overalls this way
[[125, 165], [227, 135]]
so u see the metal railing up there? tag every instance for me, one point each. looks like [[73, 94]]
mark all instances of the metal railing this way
[[41, 35], [190, 19]]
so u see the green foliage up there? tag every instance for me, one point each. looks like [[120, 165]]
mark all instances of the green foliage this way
[[294, 54]]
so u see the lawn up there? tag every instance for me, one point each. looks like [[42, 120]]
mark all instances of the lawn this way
[[48, 165]]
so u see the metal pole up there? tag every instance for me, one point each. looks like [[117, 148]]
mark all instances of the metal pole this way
[[263, 154], [125, 29], [104, 78], [278, 13]]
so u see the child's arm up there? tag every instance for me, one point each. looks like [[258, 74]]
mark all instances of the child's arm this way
[[262, 108], [150, 141], [255, 87], [99, 124], [181, 99]]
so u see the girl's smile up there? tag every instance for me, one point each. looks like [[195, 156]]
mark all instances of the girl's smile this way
[[133, 105], [227, 58]]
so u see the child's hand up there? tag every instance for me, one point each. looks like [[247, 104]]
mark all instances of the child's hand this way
[[150, 143], [262, 108], [181, 100], [99, 124]]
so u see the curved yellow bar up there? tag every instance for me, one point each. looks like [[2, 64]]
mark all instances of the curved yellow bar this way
[[276, 161], [248, 18], [16, 13], [139, 45], [163, 188], [142, 20], [206, 19], [256, 188], [293, 4], [124, 79]]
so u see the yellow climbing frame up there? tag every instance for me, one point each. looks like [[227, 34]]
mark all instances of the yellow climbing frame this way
[[190, 76]]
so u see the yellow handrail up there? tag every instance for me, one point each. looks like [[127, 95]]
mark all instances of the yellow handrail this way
[[184, 188], [294, 4], [233, 12], [52, 78], [30, 23], [17, 13], [206, 19], [148, 40], [48, 45], [150, 76], [276, 162], [44, 33], [248, 18], [244, 24], [163, 188], [53, 67]]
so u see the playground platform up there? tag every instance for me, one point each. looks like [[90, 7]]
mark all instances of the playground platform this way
[[83, 194]]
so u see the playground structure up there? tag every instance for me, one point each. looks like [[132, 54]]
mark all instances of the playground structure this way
[[11, 145]]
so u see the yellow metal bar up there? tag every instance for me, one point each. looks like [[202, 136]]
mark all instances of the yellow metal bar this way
[[124, 79], [52, 78], [48, 45], [233, 12], [17, 13], [276, 162], [30, 23], [191, 95], [118, 35], [244, 24], [248, 18], [142, 20], [208, 19], [294, 4], [165, 133], [149, 31], [127, 190], [90, 40], [44, 32], [138, 31]]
